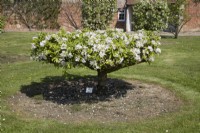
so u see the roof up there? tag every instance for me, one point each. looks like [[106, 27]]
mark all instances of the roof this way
[[121, 3], [132, 2], [171, 1]]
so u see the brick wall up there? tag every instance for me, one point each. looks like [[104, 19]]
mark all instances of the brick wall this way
[[72, 11], [194, 23]]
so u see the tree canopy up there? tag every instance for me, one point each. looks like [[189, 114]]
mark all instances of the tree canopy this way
[[104, 51]]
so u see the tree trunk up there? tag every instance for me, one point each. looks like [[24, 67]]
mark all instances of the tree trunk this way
[[102, 77], [176, 32]]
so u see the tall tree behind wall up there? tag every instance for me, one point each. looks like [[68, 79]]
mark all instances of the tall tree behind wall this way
[[179, 15], [71, 10]]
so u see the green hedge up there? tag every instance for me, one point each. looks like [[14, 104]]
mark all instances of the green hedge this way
[[150, 15], [2, 23], [97, 14]]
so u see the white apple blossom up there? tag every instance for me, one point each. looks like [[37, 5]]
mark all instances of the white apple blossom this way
[[63, 54], [139, 44], [42, 56], [121, 60], [153, 42], [42, 43], [140, 35], [116, 55], [113, 46], [70, 55], [34, 38], [136, 51], [107, 47], [48, 37], [63, 46], [78, 46], [77, 59], [77, 35], [115, 36], [33, 46], [64, 39], [119, 30], [151, 59], [84, 52], [83, 60], [102, 54], [101, 31], [136, 37], [105, 35], [109, 40], [137, 58], [94, 64], [126, 42], [158, 50], [97, 40], [121, 50], [63, 63], [150, 48]]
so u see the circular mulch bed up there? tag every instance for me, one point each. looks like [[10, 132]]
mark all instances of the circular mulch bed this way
[[68, 102]]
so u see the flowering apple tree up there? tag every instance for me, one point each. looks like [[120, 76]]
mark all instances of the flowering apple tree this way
[[102, 50]]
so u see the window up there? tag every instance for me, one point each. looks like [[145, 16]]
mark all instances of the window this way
[[121, 15]]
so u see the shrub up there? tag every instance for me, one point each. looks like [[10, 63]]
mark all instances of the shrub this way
[[150, 15], [97, 14], [103, 50]]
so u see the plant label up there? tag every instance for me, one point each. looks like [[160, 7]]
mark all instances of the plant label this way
[[89, 90]]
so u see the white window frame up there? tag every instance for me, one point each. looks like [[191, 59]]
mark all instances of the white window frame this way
[[121, 12]]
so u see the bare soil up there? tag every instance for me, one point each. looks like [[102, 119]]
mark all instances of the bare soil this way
[[67, 102]]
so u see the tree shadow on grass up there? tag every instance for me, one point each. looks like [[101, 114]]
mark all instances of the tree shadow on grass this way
[[71, 89]]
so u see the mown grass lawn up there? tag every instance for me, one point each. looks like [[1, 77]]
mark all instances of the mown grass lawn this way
[[177, 69]]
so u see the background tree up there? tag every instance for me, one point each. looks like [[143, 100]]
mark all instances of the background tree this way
[[178, 16], [72, 12], [36, 14], [150, 15], [6, 8], [97, 14]]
